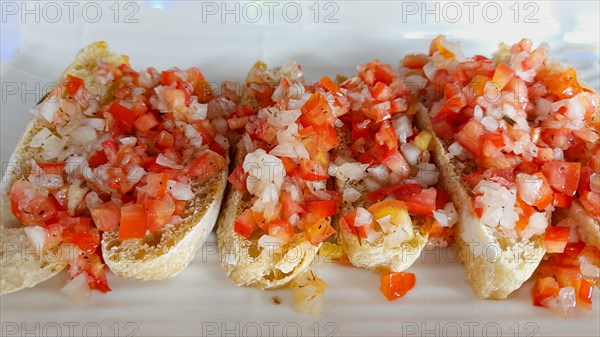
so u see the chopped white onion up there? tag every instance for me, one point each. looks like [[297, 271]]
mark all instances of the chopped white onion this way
[[351, 171], [135, 174], [129, 141], [75, 195], [96, 123], [498, 204], [379, 172], [363, 217], [38, 236], [39, 177], [92, 200], [478, 113], [403, 128], [84, 135], [386, 224], [179, 190], [351, 195], [410, 152], [40, 137], [77, 289], [165, 161], [197, 111], [49, 108]]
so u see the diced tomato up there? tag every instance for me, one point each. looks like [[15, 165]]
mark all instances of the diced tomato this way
[[289, 206], [133, 222], [422, 203], [387, 136], [556, 238], [567, 276], [396, 285], [164, 140], [544, 288], [111, 148], [584, 179], [107, 216], [207, 165], [52, 168], [526, 212], [316, 229], [323, 208], [80, 232], [384, 73], [433, 46], [146, 122], [281, 229], [312, 170], [360, 129], [238, 178], [400, 192], [316, 110], [591, 202], [291, 168], [502, 75], [327, 138], [97, 158], [415, 61], [73, 84], [469, 137], [562, 201], [125, 116], [557, 138], [586, 292], [396, 209], [156, 184], [245, 224], [176, 100], [237, 123], [563, 84], [169, 77], [562, 176], [159, 212]]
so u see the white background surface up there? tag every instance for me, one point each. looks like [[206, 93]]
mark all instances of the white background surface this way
[[201, 300]]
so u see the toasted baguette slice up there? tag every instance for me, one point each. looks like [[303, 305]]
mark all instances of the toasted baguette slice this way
[[248, 264], [20, 266], [376, 255], [169, 250], [494, 265], [589, 229]]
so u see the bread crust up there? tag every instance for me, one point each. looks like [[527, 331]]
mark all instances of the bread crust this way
[[20, 266], [494, 266], [245, 262]]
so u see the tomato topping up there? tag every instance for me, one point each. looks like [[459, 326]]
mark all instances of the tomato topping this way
[[73, 84], [80, 232], [156, 184], [563, 177], [422, 203], [386, 136], [207, 165], [469, 137], [591, 202], [245, 224], [544, 288], [556, 238], [125, 116], [323, 208], [400, 192], [237, 178], [281, 229], [316, 229], [415, 61], [159, 212], [563, 84], [164, 140], [146, 122], [396, 285], [133, 222], [562, 201], [396, 209], [107, 216], [502, 75], [312, 170], [316, 110]]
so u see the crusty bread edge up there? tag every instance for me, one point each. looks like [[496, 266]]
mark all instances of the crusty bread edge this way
[[501, 270], [37, 268]]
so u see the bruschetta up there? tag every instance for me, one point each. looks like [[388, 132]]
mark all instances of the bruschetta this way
[[118, 167], [384, 173], [489, 158], [280, 209]]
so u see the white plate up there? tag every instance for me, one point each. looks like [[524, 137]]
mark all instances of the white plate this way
[[201, 300]]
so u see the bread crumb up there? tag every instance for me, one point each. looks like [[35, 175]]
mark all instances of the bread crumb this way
[[276, 300]]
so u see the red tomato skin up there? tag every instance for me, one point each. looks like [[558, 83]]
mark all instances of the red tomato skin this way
[[544, 288], [396, 285], [133, 222], [563, 177], [156, 184], [323, 208], [245, 225], [556, 238], [107, 216]]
